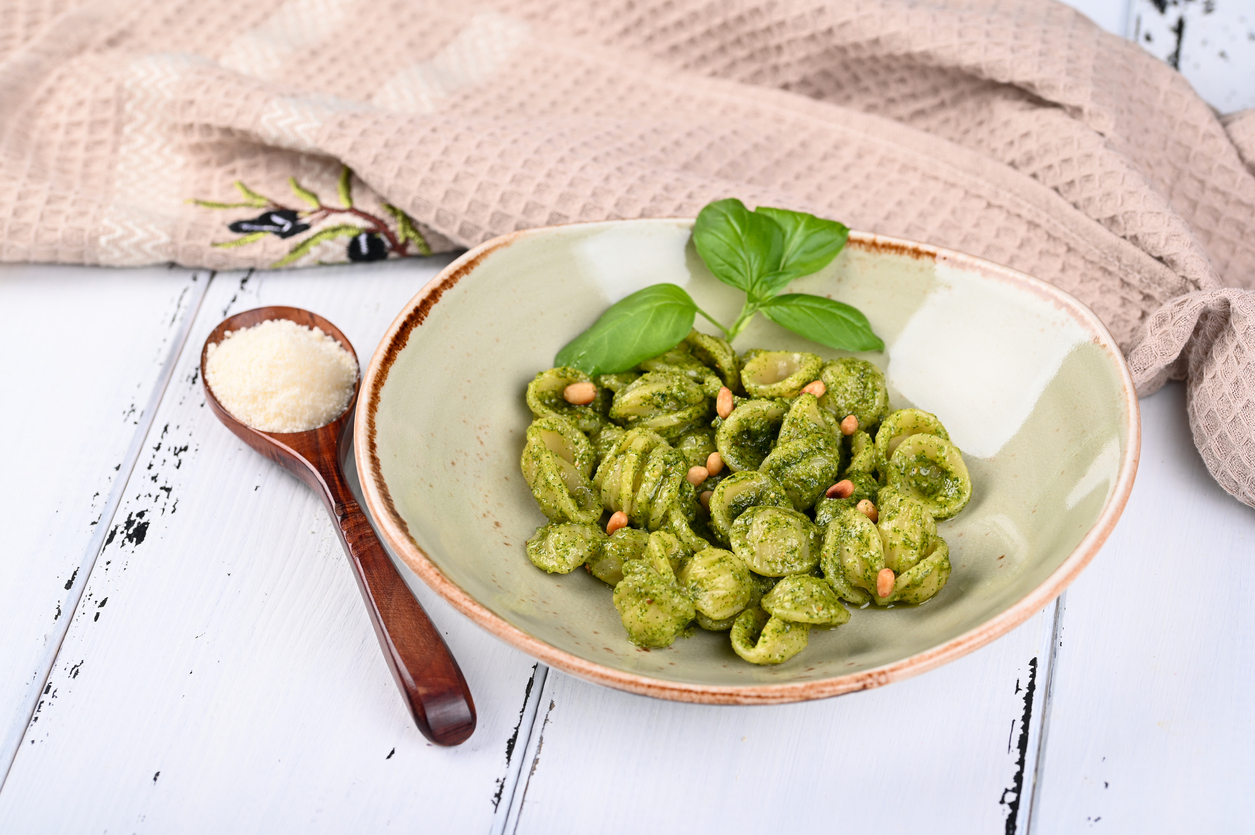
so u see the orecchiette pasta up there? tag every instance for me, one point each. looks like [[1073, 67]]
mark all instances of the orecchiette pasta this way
[[778, 373], [778, 541], [760, 638], [745, 438], [855, 387]]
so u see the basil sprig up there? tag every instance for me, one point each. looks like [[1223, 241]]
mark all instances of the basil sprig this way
[[757, 252]]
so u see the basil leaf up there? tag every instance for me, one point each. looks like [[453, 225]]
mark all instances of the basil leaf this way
[[633, 329], [810, 244], [739, 247], [824, 321]]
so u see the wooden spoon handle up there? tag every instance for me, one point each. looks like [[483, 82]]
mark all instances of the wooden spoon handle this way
[[424, 669]]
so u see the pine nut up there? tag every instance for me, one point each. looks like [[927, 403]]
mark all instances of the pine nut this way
[[697, 475], [841, 490], [617, 520], [850, 425], [704, 498], [868, 509], [816, 388], [580, 394], [714, 463], [884, 582], [723, 403]]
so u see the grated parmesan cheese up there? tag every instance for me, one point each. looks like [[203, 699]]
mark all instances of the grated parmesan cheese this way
[[278, 376]]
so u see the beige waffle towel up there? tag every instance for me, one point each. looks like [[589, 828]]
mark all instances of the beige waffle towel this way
[[1016, 131]]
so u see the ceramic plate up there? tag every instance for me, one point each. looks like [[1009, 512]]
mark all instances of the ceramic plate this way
[[1026, 379]]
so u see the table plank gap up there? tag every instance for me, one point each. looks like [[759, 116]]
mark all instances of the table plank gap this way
[[535, 742], [1050, 653], [506, 819]]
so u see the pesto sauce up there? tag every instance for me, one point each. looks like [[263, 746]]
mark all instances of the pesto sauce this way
[[631, 448]]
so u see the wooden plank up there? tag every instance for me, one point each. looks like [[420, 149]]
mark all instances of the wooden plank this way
[[87, 349], [1149, 724], [949, 751], [221, 674]]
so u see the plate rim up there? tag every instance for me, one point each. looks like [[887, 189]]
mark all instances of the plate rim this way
[[396, 533]]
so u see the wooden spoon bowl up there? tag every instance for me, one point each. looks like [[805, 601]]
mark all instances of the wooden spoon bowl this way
[[424, 669]]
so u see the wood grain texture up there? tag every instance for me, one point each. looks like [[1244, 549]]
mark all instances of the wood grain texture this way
[[85, 353], [426, 673], [1150, 727], [948, 751], [220, 674]]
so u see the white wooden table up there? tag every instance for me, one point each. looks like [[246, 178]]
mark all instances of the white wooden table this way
[[184, 649]]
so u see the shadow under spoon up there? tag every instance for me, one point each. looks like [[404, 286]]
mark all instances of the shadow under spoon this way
[[420, 661]]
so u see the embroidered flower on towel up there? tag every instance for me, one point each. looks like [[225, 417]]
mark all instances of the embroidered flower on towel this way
[[370, 237]]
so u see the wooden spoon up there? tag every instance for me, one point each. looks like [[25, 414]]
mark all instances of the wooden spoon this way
[[424, 669]]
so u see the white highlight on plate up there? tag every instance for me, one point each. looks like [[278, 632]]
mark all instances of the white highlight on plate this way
[[1102, 472], [962, 356], [621, 263]]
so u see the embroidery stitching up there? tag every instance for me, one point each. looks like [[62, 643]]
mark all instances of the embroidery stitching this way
[[371, 238]]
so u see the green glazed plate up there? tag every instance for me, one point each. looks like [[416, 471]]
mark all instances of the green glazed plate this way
[[1026, 379]]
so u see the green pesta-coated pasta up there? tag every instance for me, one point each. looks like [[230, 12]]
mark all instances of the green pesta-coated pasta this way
[[564, 439], [659, 487], [695, 445], [693, 533], [562, 547], [807, 457], [804, 469], [719, 583], [604, 440], [653, 607], [642, 476], [665, 553], [802, 598], [621, 546], [711, 625], [792, 554], [778, 373], [855, 387], [930, 470], [746, 437], [545, 397], [759, 586], [899, 426], [776, 541], [738, 493], [553, 466], [805, 419], [760, 638], [924, 579], [862, 454], [617, 476], [865, 487], [852, 555], [664, 402], [907, 529], [718, 354], [616, 383], [679, 360]]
